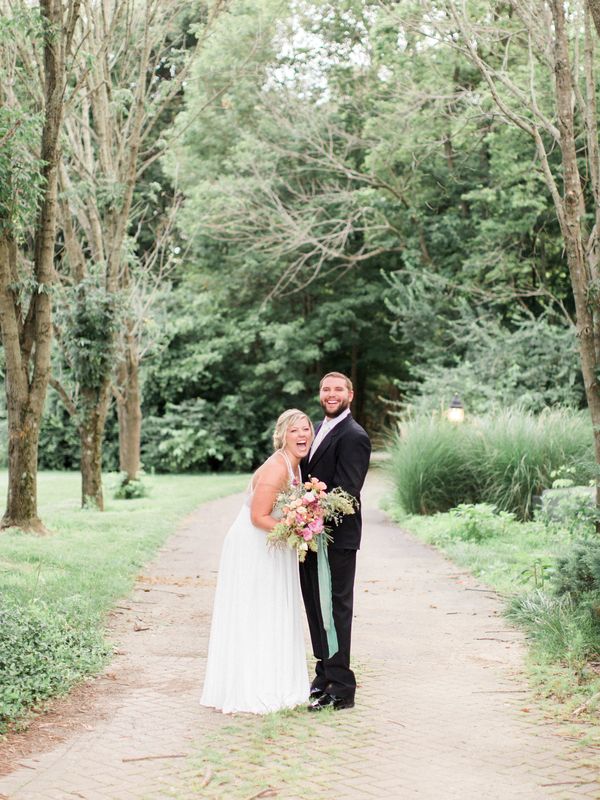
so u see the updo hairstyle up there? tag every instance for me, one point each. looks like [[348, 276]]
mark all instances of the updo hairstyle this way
[[285, 421]]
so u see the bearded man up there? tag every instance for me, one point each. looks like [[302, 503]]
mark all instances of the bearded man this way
[[339, 456]]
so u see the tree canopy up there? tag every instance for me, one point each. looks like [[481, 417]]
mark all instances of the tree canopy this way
[[251, 194]]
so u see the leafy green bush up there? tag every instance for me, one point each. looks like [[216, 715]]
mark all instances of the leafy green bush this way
[[501, 459], [478, 522], [571, 509], [190, 436], [128, 489], [578, 571], [43, 652]]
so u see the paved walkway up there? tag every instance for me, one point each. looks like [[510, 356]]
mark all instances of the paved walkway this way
[[443, 711]]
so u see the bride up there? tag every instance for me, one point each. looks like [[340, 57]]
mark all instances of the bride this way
[[256, 655]]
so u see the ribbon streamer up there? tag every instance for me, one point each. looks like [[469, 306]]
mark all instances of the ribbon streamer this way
[[324, 576]]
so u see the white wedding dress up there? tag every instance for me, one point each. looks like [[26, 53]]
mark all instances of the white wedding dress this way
[[256, 654]]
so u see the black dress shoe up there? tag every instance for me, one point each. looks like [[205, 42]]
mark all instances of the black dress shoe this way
[[316, 693], [331, 701]]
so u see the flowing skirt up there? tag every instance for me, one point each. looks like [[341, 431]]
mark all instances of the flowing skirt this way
[[256, 655]]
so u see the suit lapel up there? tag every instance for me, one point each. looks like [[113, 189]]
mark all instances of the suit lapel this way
[[327, 442]]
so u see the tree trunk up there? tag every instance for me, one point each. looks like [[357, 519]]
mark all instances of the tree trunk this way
[[594, 7], [91, 433], [24, 400], [21, 504], [28, 341], [571, 224], [23, 422], [129, 411]]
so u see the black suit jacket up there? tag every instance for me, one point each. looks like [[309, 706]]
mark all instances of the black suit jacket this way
[[342, 459]]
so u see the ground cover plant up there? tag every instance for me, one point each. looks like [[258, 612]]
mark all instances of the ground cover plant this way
[[55, 590]]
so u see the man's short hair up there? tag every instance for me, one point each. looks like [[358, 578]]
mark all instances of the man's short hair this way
[[339, 375]]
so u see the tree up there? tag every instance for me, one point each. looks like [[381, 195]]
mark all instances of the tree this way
[[539, 67], [133, 58], [26, 288]]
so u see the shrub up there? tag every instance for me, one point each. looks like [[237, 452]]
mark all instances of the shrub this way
[[129, 489], [578, 570], [502, 460], [43, 651], [478, 522], [571, 509]]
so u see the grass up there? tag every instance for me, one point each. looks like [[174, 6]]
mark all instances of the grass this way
[[250, 756], [56, 590], [253, 754], [502, 459], [94, 555]]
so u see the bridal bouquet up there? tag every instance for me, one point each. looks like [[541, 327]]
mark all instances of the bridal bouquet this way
[[305, 507]]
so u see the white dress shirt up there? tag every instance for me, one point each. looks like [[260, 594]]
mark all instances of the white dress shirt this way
[[327, 426]]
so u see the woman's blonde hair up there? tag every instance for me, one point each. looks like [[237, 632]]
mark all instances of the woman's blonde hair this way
[[285, 421]]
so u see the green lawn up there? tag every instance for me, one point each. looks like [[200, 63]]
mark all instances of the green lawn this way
[[55, 590], [516, 558]]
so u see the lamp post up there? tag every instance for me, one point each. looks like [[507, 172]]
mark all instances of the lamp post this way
[[456, 411]]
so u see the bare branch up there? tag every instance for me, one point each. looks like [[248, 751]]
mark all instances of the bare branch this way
[[64, 396]]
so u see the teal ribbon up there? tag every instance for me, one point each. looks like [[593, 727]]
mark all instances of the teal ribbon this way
[[324, 575]]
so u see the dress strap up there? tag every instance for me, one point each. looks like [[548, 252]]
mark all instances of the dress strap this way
[[289, 466]]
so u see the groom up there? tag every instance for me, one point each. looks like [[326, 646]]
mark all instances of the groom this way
[[339, 456]]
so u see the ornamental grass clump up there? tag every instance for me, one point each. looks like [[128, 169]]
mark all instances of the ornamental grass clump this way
[[502, 460], [517, 452], [563, 629], [431, 466]]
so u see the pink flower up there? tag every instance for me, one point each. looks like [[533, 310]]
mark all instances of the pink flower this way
[[316, 526], [307, 534], [309, 497]]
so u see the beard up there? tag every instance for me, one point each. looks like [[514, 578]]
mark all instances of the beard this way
[[340, 409]]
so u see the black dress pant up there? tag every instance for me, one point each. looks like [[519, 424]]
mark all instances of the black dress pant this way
[[332, 674]]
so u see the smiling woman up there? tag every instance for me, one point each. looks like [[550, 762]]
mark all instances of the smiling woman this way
[[256, 657], [292, 439]]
